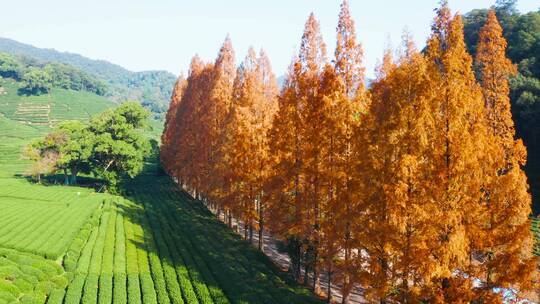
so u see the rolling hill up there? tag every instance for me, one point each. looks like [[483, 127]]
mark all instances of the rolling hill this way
[[49, 109], [152, 88]]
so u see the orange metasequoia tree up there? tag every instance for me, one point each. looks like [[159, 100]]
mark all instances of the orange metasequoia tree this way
[[348, 57], [293, 185], [190, 141], [244, 148], [215, 109], [394, 180], [460, 155], [167, 151], [349, 54], [505, 242], [262, 118]]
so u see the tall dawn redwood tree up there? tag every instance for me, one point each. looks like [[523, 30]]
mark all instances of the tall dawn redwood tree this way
[[394, 177], [170, 135], [284, 185], [460, 154], [348, 66], [349, 54], [191, 139], [312, 59], [244, 148], [262, 119], [494, 69], [217, 107], [505, 245], [295, 205]]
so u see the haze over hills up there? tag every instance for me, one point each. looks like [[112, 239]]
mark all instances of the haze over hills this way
[[152, 88]]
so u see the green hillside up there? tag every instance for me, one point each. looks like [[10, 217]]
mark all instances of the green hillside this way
[[13, 136], [49, 109], [153, 89]]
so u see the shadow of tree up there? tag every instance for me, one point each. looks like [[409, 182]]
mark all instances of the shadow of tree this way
[[186, 233]]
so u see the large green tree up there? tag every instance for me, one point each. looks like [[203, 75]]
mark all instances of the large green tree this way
[[111, 147], [76, 151], [9, 67], [119, 147], [35, 82], [71, 143]]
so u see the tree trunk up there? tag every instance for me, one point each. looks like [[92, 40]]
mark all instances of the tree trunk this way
[[384, 268], [306, 274], [230, 219], [73, 176], [245, 231], [251, 232], [346, 291], [66, 177], [329, 288], [261, 229], [445, 284], [316, 280]]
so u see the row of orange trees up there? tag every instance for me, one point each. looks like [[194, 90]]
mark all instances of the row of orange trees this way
[[412, 188]]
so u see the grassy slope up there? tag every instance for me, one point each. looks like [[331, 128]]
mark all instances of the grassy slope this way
[[49, 109], [13, 136]]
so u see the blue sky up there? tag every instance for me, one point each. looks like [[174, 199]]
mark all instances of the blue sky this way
[[165, 34]]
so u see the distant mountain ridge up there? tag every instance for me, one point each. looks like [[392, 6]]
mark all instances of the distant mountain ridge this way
[[152, 88]]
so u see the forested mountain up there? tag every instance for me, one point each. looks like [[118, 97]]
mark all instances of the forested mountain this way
[[152, 88], [522, 31]]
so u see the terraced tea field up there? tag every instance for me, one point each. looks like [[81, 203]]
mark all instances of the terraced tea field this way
[[70, 245], [536, 232], [43, 220], [156, 248], [25, 278], [13, 136], [49, 109]]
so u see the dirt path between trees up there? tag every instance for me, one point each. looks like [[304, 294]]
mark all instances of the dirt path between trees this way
[[270, 249]]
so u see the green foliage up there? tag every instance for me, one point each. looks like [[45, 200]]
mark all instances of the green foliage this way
[[39, 77], [76, 150], [111, 146], [35, 82], [119, 146], [67, 77], [28, 277], [9, 67]]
